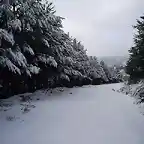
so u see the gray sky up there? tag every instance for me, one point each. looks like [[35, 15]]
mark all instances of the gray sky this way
[[103, 26]]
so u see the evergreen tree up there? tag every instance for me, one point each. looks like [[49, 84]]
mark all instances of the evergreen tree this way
[[116, 73], [96, 72], [106, 70], [135, 64]]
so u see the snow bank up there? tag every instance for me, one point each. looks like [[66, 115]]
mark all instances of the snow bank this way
[[134, 90]]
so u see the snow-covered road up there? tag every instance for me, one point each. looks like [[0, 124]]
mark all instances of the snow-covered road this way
[[90, 115]]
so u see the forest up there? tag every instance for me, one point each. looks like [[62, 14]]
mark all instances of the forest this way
[[36, 53]]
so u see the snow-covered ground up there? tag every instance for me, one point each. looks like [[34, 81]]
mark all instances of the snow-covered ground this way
[[86, 115]]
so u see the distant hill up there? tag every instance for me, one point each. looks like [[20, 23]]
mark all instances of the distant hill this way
[[114, 60]]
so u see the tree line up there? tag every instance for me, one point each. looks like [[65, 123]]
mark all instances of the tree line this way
[[35, 52]]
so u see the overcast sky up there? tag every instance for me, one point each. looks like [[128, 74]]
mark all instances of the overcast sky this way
[[103, 26]]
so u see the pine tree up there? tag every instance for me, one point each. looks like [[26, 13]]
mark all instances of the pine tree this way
[[106, 70], [116, 73], [135, 64], [25, 37]]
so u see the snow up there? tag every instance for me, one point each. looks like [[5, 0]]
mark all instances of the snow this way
[[16, 24], [5, 62], [86, 115], [28, 49], [17, 57], [21, 57], [47, 60], [45, 42], [139, 89], [6, 36], [136, 91], [34, 69], [133, 90], [68, 61], [12, 67], [64, 77], [70, 72]]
